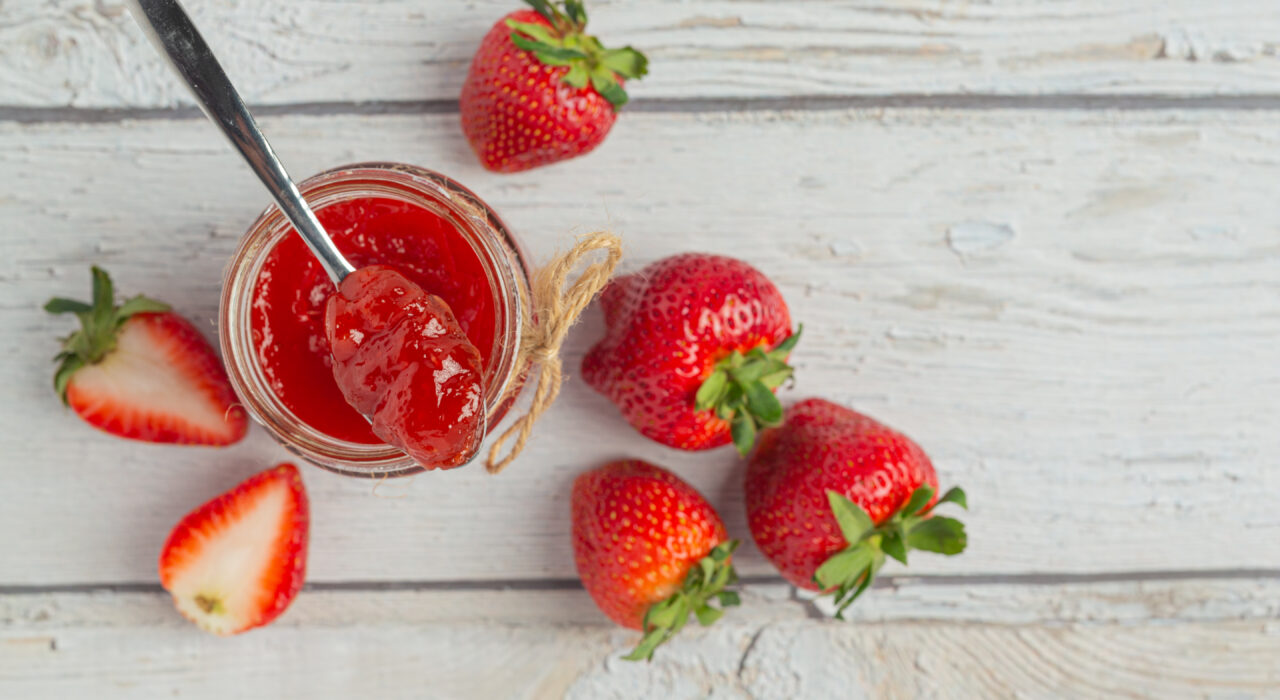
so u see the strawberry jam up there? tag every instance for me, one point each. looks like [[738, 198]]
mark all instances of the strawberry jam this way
[[287, 318], [401, 359]]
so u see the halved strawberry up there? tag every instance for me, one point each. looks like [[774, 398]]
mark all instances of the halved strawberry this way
[[140, 371], [236, 562]]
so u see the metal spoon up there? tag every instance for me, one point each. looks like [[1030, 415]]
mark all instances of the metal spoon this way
[[172, 32]]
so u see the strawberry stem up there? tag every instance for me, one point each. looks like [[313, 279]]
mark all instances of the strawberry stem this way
[[849, 572], [565, 43], [705, 582], [740, 390], [99, 322]]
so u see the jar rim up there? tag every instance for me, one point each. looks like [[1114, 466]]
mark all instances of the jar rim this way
[[500, 255]]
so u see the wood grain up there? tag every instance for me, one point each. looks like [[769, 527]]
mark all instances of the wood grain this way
[[88, 53], [1075, 314], [1104, 640], [1075, 310], [891, 599]]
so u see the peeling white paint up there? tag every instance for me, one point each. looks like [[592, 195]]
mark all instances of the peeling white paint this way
[[974, 238], [388, 645], [844, 248]]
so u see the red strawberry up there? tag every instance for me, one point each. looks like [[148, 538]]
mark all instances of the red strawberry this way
[[540, 90], [695, 346], [140, 371], [831, 492], [236, 562], [650, 550]]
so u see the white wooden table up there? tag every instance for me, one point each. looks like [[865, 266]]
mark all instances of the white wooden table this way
[[1042, 237]]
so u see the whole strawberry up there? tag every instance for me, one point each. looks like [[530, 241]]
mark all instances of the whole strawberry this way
[[831, 492], [694, 347], [140, 371], [540, 90], [650, 550]]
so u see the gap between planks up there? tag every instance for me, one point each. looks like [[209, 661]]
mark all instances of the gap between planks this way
[[811, 103], [565, 584]]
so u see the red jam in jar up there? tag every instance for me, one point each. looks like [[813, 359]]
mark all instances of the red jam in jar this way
[[287, 313]]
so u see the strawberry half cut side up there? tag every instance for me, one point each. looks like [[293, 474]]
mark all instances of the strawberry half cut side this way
[[704, 583], [849, 572], [140, 371], [236, 562]]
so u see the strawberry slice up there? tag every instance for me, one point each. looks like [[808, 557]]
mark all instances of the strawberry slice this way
[[142, 372], [236, 562]]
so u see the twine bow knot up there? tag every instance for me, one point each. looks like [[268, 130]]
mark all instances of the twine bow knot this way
[[557, 309]]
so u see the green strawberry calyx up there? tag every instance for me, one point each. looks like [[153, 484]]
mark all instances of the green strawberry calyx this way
[[99, 322], [849, 572], [565, 43], [705, 582], [740, 390]]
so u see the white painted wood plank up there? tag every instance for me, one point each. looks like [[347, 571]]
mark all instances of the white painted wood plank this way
[[412, 644], [891, 599], [1075, 314], [88, 53]]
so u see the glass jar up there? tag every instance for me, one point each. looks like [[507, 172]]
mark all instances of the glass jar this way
[[501, 257]]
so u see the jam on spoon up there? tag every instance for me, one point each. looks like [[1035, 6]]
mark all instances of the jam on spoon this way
[[401, 359]]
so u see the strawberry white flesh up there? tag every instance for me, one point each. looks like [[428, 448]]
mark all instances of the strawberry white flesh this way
[[161, 384], [237, 562]]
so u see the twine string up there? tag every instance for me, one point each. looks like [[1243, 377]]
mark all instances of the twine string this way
[[557, 310]]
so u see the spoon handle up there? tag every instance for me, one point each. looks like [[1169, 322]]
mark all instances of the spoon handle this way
[[169, 28]]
